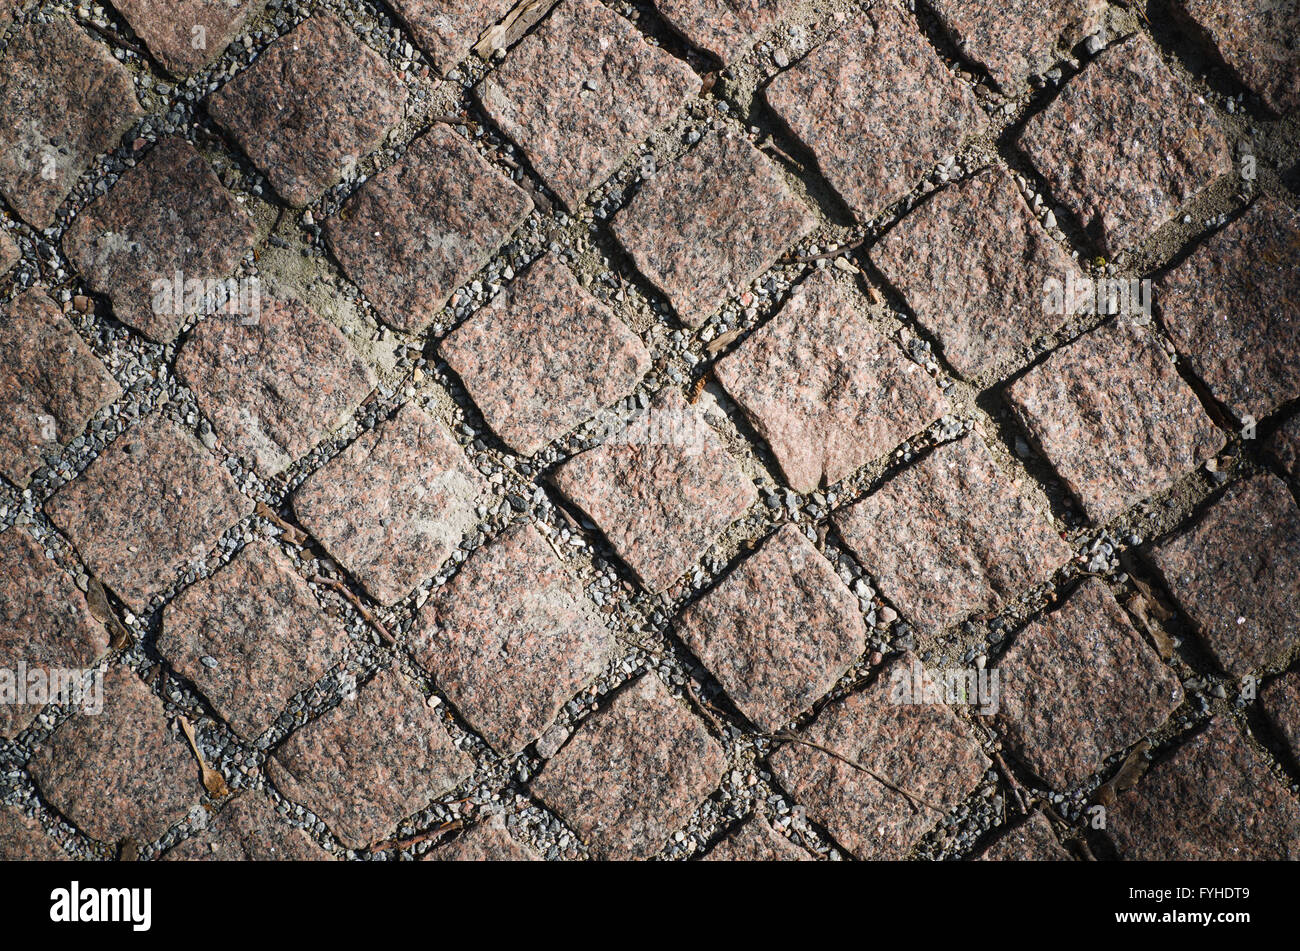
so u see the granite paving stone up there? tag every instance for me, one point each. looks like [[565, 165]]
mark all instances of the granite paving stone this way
[[250, 637], [23, 840], [64, 100], [1257, 40], [1233, 309], [45, 625], [50, 387], [1212, 800], [976, 268], [661, 492], [248, 830], [1114, 418], [510, 639], [877, 107], [311, 106], [544, 356], [122, 772], [446, 30], [778, 632], [163, 244], [10, 254], [1031, 841], [484, 842], [1234, 573], [952, 535], [725, 28], [582, 91], [394, 505], [152, 503], [369, 762], [824, 389], [1080, 684], [422, 227], [633, 772], [187, 35], [1281, 703], [756, 841], [1125, 144], [919, 747], [1284, 446], [273, 386]]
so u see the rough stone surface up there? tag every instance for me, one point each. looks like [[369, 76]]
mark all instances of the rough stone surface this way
[[186, 35], [1079, 685], [1257, 40], [394, 505], [1285, 446], [485, 842], [419, 229], [9, 253], [974, 264], [273, 387], [64, 99], [756, 841], [447, 29], [248, 830], [633, 773], [1114, 418], [952, 535], [824, 389], [1233, 308], [1211, 801], [45, 622], [920, 747], [51, 384], [1031, 841], [509, 640], [722, 187], [544, 356], [1281, 701], [580, 92], [778, 632], [360, 780], [1014, 39], [167, 221], [661, 492], [22, 839], [1125, 144], [1234, 573], [877, 107], [316, 102], [250, 637], [725, 28], [122, 772], [151, 503]]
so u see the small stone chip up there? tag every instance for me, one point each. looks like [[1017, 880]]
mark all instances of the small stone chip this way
[[633, 773], [186, 35], [152, 503], [1031, 841], [756, 841], [258, 620], [311, 106], [580, 92], [1125, 144], [1257, 40], [370, 762], [725, 28], [275, 385], [661, 492], [22, 839], [1213, 800], [45, 624], [162, 244], [922, 748], [824, 389], [509, 641], [975, 266], [544, 356], [952, 535], [877, 107], [119, 772], [64, 99], [50, 387], [1114, 418], [485, 842], [1281, 701], [1234, 573], [777, 632], [1014, 39], [394, 505], [249, 830], [419, 229], [1079, 685], [1233, 308], [447, 29]]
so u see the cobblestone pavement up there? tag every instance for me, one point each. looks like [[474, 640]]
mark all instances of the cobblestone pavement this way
[[650, 429]]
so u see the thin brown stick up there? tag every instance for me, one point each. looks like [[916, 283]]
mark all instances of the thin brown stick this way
[[415, 840], [352, 599], [1012, 782], [888, 784]]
